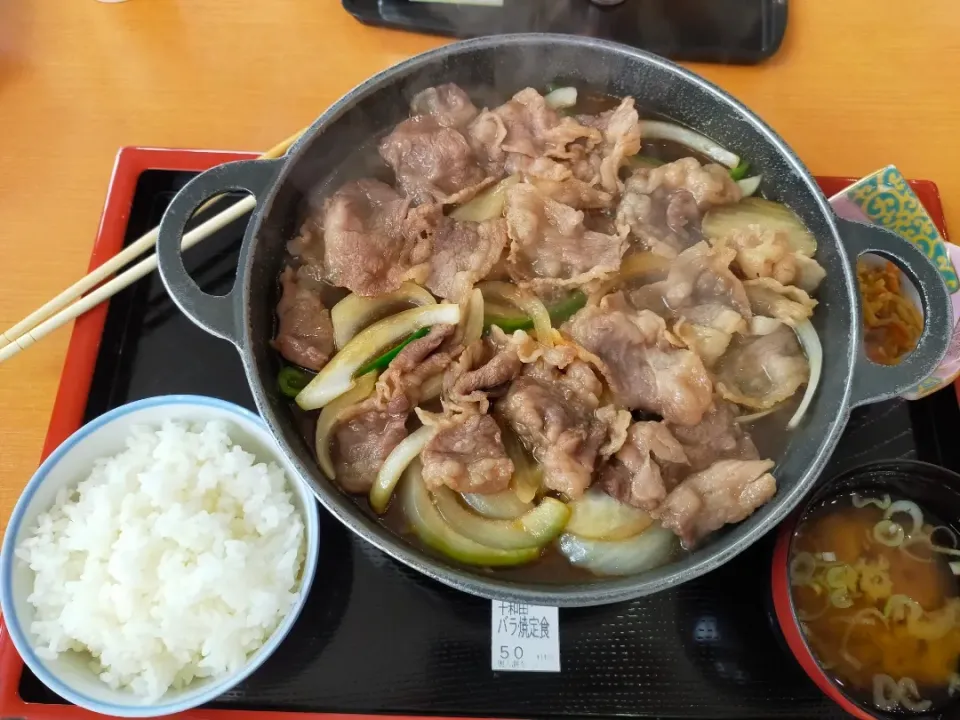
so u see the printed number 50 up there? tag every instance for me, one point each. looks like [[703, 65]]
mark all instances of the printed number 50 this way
[[505, 652]]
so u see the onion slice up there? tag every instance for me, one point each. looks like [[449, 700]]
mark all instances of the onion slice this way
[[534, 528], [659, 130], [504, 505], [645, 551], [488, 205], [777, 217], [886, 692], [641, 263], [923, 625], [862, 502], [431, 388], [839, 597], [635, 265], [395, 464], [889, 533], [598, 516], [910, 696], [861, 617], [753, 417], [355, 312], [909, 508], [330, 417], [945, 529], [527, 302], [902, 607], [748, 186], [762, 325], [814, 351], [561, 98], [933, 626], [336, 377], [425, 520], [473, 320], [527, 472], [810, 617]]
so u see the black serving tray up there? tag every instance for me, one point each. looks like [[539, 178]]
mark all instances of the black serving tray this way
[[376, 637]]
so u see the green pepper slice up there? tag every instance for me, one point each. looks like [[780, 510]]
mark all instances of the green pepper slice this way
[[381, 362]]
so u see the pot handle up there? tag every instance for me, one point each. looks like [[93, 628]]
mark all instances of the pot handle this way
[[213, 313], [873, 382]]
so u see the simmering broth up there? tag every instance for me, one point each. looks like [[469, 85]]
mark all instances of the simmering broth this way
[[552, 252]]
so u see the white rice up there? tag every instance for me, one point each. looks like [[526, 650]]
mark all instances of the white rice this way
[[173, 560]]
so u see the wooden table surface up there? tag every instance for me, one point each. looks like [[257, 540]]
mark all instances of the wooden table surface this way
[[856, 85]]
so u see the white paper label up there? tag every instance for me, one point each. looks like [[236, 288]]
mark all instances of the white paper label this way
[[526, 638]]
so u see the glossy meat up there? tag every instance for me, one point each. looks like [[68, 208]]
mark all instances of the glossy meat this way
[[617, 421], [761, 371], [364, 224], [633, 475], [645, 367], [763, 253], [682, 347], [726, 492], [305, 333], [767, 254], [462, 254], [377, 425], [550, 246], [432, 162], [716, 437], [448, 104], [449, 256], [705, 300], [710, 184], [398, 388], [785, 303], [620, 129], [554, 414], [665, 222], [483, 368], [467, 455], [699, 276], [509, 137], [362, 444], [708, 330], [556, 181]]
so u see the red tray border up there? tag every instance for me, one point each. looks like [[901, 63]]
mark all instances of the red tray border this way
[[77, 375]]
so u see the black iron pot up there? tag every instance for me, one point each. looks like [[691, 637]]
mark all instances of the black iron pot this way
[[492, 69]]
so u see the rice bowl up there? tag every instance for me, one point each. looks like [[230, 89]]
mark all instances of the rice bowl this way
[[230, 537]]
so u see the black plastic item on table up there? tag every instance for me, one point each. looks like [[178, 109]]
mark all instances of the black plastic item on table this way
[[721, 31], [376, 637]]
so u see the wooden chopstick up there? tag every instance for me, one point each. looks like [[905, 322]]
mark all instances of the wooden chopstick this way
[[124, 279], [63, 308]]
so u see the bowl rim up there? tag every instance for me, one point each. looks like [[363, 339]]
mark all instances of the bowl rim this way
[[137, 709], [783, 607]]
